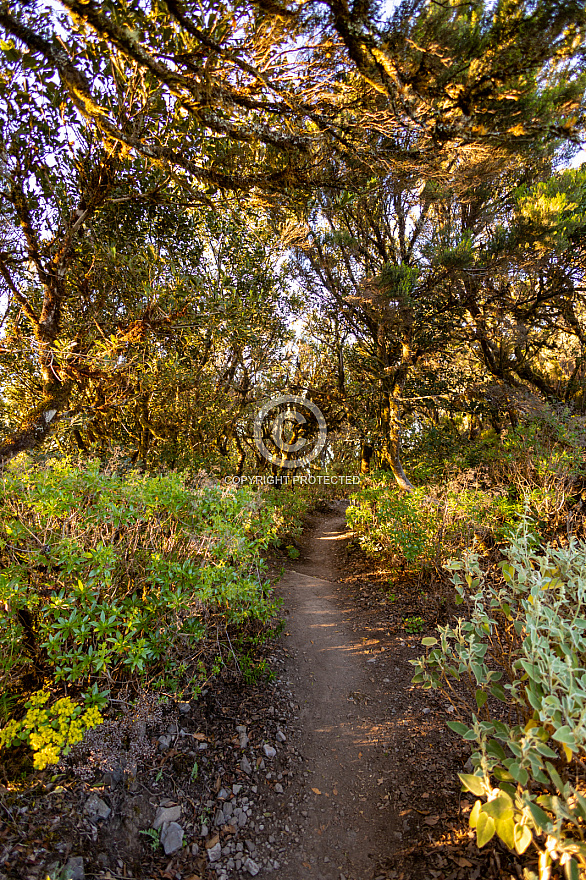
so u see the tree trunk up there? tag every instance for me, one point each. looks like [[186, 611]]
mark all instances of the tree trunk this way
[[391, 446], [37, 424], [366, 450]]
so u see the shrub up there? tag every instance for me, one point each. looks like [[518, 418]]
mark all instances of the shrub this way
[[106, 576], [523, 643], [426, 528]]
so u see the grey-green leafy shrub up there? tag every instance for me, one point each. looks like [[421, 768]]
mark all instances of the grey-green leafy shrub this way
[[522, 642]]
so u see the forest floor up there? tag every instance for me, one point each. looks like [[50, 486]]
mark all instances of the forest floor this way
[[336, 769]]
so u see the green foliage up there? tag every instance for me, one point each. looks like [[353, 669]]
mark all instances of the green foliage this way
[[414, 623], [424, 529], [392, 521], [153, 835], [523, 642], [109, 576]]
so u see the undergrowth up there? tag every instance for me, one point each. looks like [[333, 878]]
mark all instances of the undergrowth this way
[[112, 580]]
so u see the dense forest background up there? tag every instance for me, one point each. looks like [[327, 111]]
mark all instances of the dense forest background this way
[[205, 206]]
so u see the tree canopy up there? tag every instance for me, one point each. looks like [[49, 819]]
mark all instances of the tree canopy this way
[[205, 203]]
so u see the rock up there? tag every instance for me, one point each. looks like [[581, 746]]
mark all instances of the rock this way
[[114, 777], [96, 808], [242, 819], [279, 788], [172, 837], [219, 819], [184, 708], [227, 809], [222, 794], [250, 846], [215, 852], [245, 765], [204, 831], [236, 789], [251, 867], [74, 869], [269, 751], [241, 731], [164, 743], [281, 736], [165, 815]]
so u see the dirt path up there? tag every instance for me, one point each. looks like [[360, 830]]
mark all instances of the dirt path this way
[[350, 829]]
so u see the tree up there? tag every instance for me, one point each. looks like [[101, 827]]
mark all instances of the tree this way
[[284, 96]]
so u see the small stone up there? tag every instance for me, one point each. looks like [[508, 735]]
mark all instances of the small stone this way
[[236, 789], [251, 867], [194, 849], [173, 729], [184, 708], [164, 743], [172, 838], [166, 814], [242, 819], [215, 852], [279, 788], [426, 711], [74, 869], [250, 846], [227, 809], [96, 808], [204, 831], [281, 736], [269, 751], [202, 747], [245, 765], [241, 731], [222, 794], [219, 819]]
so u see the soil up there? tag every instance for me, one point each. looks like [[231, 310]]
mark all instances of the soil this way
[[337, 769]]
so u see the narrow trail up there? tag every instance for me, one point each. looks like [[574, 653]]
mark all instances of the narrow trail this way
[[350, 831]]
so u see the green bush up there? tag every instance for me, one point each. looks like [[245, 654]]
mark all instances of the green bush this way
[[522, 644], [106, 576], [427, 528]]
